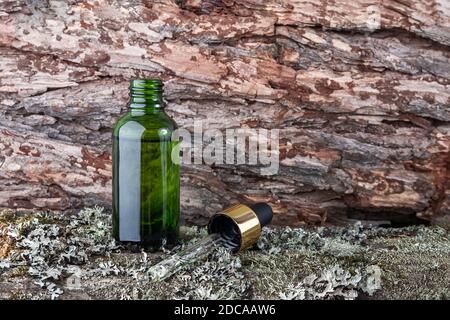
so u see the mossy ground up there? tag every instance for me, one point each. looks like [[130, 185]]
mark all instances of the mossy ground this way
[[49, 255]]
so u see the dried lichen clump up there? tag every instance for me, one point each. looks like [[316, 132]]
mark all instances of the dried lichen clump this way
[[48, 245], [373, 262], [56, 256]]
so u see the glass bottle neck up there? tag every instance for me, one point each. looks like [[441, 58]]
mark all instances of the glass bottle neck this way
[[146, 95]]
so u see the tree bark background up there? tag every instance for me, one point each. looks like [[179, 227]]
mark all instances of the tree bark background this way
[[360, 91]]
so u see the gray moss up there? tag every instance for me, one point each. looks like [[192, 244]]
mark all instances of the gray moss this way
[[49, 255]]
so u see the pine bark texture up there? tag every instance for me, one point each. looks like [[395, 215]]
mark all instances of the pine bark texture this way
[[360, 91]]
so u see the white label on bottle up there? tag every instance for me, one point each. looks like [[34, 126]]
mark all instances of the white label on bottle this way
[[130, 185]]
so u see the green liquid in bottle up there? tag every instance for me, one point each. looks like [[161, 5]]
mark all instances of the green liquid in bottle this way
[[146, 180]]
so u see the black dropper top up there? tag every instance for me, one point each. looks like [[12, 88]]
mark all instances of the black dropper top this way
[[263, 212]]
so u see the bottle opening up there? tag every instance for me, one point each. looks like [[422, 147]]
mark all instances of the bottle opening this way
[[146, 84]]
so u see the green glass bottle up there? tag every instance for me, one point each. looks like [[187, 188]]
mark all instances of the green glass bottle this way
[[146, 180]]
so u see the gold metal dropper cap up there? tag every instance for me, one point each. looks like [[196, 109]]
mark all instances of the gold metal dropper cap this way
[[240, 225]]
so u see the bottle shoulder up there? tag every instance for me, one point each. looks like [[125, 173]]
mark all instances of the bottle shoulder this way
[[145, 126]]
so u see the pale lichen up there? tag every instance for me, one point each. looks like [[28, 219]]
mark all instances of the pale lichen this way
[[52, 255]]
